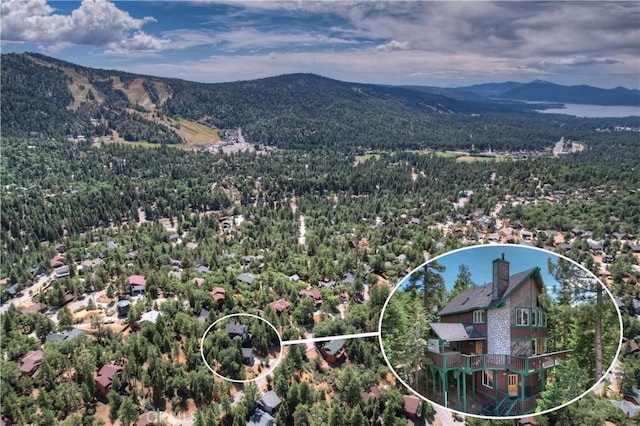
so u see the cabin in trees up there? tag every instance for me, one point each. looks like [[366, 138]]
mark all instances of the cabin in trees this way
[[137, 285], [105, 377], [30, 363], [333, 351], [491, 344]]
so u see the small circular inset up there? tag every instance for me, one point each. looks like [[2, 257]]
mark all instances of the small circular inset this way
[[500, 331], [241, 348]]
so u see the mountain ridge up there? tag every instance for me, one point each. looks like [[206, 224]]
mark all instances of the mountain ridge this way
[[546, 91]]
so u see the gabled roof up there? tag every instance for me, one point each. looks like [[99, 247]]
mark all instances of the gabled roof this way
[[260, 418], [480, 297], [270, 400], [246, 277], [109, 370], [333, 347], [236, 329], [280, 305], [411, 404], [151, 316], [137, 280]]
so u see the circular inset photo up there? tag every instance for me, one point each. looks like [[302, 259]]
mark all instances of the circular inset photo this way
[[241, 348], [500, 331]]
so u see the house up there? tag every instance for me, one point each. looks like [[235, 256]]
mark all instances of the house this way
[[280, 306], [36, 307], [491, 342], [313, 293], [348, 278], [411, 406], [240, 331], [247, 356], [203, 316], [30, 362], [58, 337], [91, 263], [204, 269], [61, 271], [269, 402], [260, 418], [151, 316], [333, 350], [327, 283], [131, 255], [57, 261], [246, 277], [218, 294], [105, 377], [137, 285]]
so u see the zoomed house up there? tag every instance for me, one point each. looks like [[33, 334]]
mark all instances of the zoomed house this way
[[488, 350]]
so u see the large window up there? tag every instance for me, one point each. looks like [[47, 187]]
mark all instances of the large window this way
[[522, 316], [487, 378], [535, 317], [478, 317]]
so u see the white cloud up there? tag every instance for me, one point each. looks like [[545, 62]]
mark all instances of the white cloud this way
[[94, 22], [392, 46]]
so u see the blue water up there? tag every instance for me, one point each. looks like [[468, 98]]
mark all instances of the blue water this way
[[591, 111]]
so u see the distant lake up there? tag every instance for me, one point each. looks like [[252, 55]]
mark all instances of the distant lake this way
[[591, 111]]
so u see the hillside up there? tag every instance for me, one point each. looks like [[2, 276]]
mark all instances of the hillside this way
[[46, 97]]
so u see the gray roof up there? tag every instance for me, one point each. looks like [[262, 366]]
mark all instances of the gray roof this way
[[246, 277], [270, 400], [332, 347], [260, 418], [74, 332], [236, 329], [151, 316], [480, 297], [453, 332]]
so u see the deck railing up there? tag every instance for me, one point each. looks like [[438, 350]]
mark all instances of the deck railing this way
[[475, 362]]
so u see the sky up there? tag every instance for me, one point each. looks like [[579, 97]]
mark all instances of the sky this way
[[445, 44], [479, 259]]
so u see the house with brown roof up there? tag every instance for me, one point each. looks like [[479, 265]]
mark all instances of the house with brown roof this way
[[411, 406], [491, 341], [218, 294], [280, 306], [105, 377], [30, 362], [313, 293]]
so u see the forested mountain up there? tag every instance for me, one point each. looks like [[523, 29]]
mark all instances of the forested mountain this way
[[544, 91], [46, 97]]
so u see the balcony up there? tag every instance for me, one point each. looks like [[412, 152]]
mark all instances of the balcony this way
[[520, 364]]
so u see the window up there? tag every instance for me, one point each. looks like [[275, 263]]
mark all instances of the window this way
[[522, 316], [487, 378], [542, 319], [478, 317], [534, 316]]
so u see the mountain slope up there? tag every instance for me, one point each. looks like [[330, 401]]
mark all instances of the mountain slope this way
[[544, 91]]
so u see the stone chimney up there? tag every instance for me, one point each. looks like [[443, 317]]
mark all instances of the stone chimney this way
[[500, 277]]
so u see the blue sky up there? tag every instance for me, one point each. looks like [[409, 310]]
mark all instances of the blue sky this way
[[430, 43], [480, 258]]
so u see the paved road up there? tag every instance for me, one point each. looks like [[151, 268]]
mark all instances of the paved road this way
[[28, 292]]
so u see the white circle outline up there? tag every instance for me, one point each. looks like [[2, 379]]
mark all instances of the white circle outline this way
[[591, 274], [278, 360]]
